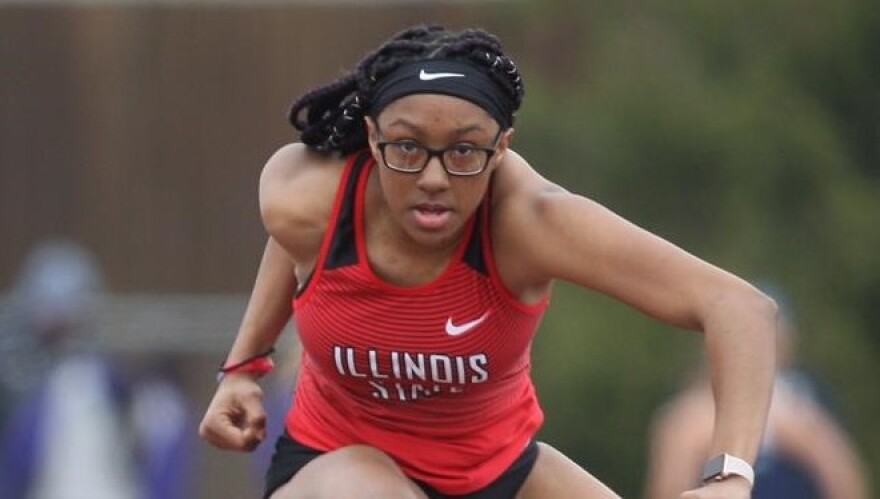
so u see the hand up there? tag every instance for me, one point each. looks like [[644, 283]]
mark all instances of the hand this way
[[733, 487], [235, 419]]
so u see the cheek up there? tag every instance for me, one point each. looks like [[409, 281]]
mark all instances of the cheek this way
[[393, 189], [471, 192]]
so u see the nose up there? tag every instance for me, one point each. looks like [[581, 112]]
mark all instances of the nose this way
[[434, 177]]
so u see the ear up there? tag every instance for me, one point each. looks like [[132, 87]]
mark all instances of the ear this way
[[503, 146], [372, 135]]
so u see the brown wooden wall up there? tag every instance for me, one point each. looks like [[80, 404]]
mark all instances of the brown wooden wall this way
[[141, 131]]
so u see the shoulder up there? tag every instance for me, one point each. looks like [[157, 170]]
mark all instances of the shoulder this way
[[531, 215], [297, 190], [517, 178], [550, 233], [522, 191], [295, 164], [526, 201], [519, 194]]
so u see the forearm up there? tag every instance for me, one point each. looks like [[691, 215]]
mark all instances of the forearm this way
[[269, 307], [740, 338]]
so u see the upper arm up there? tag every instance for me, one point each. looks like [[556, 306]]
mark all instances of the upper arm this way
[[282, 198], [562, 235], [297, 188]]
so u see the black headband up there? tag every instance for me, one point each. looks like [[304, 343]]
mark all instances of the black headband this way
[[440, 76]]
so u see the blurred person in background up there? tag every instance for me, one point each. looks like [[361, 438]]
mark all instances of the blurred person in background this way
[[806, 453], [47, 313], [163, 428], [419, 253], [78, 426]]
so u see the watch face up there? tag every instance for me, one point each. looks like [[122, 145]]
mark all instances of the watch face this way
[[713, 468]]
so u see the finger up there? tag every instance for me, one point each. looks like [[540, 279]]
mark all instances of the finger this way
[[221, 432], [254, 415], [255, 426], [256, 419], [252, 438]]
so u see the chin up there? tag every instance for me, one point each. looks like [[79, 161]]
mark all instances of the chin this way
[[435, 238]]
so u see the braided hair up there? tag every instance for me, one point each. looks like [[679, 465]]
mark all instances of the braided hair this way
[[330, 118]]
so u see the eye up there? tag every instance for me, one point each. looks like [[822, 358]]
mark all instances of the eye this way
[[408, 147], [462, 150]]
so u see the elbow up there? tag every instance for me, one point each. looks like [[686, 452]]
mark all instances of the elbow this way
[[759, 313], [764, 306], [769, 310], [743, 304], [756, 307]]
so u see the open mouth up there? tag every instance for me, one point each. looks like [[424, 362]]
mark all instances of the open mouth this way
[[431, 216]]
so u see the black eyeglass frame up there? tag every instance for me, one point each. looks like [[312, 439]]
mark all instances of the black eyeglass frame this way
[[490, 151]]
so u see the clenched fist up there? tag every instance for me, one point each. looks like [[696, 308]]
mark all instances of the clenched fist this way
[[235, 419]]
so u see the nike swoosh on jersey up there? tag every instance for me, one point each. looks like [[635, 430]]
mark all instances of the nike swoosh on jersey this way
[[424, 76], [453, 330]]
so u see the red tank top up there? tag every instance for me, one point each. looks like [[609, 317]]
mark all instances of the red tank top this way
[[436, 376]]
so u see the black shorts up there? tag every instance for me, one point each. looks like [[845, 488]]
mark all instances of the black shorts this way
[[290, 457]]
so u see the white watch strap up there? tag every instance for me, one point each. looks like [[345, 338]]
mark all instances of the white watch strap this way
[[737, 466]]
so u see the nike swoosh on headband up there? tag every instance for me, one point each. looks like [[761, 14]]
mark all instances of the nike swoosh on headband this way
[[424, 76]]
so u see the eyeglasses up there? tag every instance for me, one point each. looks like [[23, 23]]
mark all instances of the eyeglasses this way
[[463, 160]]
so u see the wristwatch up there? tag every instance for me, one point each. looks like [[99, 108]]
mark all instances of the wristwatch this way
[[725, 465]]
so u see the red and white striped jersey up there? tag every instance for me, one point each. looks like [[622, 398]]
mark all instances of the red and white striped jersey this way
[[437, 376]]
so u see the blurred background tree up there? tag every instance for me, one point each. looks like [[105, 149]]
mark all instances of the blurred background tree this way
[[746, 132]]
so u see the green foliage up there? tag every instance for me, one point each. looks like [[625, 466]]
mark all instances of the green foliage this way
[[745, 132]]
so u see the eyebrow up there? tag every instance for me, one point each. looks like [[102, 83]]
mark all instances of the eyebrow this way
[[416, 128]]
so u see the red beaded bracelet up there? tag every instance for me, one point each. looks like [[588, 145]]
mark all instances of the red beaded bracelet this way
[[259, 365]]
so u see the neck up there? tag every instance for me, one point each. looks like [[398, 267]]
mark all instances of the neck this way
[[393, 254]]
